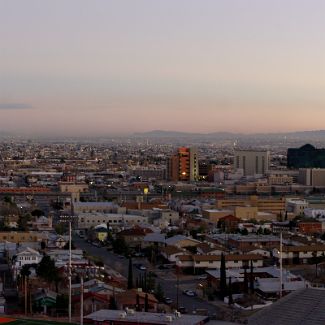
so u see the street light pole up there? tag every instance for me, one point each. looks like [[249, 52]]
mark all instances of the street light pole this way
[[70, 275], [81, 299], [83, 270], [177, 288], [69, 219], [281, 276]]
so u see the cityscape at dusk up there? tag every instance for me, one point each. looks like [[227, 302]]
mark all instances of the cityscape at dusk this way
[[162, 162]]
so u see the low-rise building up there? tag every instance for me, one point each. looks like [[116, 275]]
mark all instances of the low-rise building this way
[[131, 317], [310, 227], [214, 261], [181, 241], [299, 254], [115, 220]]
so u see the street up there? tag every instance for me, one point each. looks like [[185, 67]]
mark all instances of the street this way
[[169, 285]]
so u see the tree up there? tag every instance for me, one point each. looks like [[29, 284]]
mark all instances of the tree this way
[[66, 246], [230, 299], [259, 231], [267, 231], [130, 275], [137, 305], [150, 282], [286, 216], [60, 228], [251, 279], [43, 245], [25, 270], [316, 260], [244, 232], [112, 303], [37, 213], [120, 247], [62, 302], [223, 278], [245, 280], [146, 303], [159, 293], [23, 222], [47, 270]]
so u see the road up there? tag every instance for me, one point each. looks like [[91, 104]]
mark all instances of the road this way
[[168, 285]]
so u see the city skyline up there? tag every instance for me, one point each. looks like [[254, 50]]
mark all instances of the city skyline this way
[[118, 67]]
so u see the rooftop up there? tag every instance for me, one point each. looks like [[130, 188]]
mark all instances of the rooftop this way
[[142, 317], [305, 306]]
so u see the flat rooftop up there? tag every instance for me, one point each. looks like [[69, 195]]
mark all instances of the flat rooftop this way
[[142, 317]]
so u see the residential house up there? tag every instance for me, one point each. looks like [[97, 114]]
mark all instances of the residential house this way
[[181, 241], [171, 253], [210, 249], [129, 300], [229, 223], [92, 301], [134, 236], [27, 256]]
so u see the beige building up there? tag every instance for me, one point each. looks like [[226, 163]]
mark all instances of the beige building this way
[[93, 207], [274, 205], [74, 189], [312, 176], [246, 213], [88, 220], [296, 206], [280, 179], [214, 215], [21, 237], [252, 162]]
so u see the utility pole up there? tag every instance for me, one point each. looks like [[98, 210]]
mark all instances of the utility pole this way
[[281, 276], [70, 275], [177, 288], [81, 299], [69, 219], [83, 270], [25, 295]]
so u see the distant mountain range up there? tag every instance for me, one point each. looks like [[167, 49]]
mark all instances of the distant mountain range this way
[[312, 135]]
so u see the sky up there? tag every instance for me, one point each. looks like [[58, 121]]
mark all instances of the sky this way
[[104, 67]]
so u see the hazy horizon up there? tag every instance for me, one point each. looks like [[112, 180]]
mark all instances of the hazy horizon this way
[[95, 68]]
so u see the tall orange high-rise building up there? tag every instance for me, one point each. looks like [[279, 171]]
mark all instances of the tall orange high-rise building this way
[[184, 165]]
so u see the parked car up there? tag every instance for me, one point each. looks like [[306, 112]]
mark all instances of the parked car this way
[[182, 310], [168, 301], [140, 267], [138, 254], [189, 293]]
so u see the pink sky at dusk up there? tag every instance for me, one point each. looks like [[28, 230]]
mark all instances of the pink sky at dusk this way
[[115, 67]]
